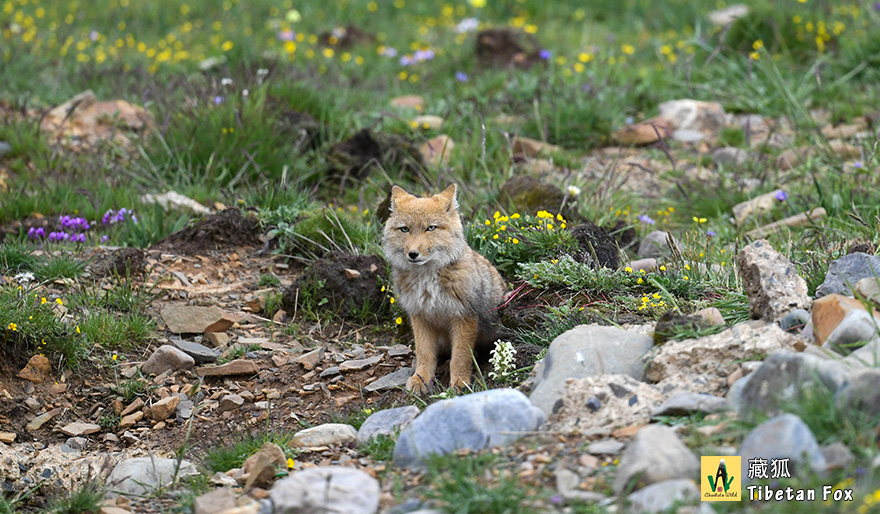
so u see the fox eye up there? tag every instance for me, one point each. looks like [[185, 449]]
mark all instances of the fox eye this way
[[432, 228], [404, 229]]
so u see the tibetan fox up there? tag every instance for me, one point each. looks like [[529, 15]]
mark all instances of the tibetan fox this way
[[450, 292]]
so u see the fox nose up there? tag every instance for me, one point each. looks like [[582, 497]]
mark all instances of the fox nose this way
[[413, 254]]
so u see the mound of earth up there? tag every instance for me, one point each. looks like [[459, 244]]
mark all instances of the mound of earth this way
[[225, 229], [348, 285], [596, 246], [505, 48], [120, 263], [358, 155]]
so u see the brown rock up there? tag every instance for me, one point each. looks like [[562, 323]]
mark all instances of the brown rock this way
[[829, 311], [109, 509], [763, 203], [436, 151], [137, 404], [797, 220], [37, 370], [311, 359], [193, 319], [236, 367], [262, 465], [79, 428], [58, 388], [845, 131], [411, 101], [131, 420], [217, 339], [352, 274], [845, 150], [273, 453], [644, 133], [428, 121], [164, 408], [523, 147], [7, 437], [217, 501], [711, 315], [39, 421], [792, 157], [771, 282], [230, 402]]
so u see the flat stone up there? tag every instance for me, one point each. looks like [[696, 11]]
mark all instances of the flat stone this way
[[311, 359], [829, 312], [142, 476], [476, 421], [37, 370], [175, 201], [7, 437], [686, 114], [193, 319], [359, 364], [236, 367], [804, 218], [568, 485], [200, 353], [216, 501], [390, 381], [218, 339], [785, 436], [601, 403], [605, 447], [643, 133], [79, 428], [686, 403], [164, 408], [328, 434], [412, 101], [845, 272], [330, 372], [261, 466], [185, 409], [687, 136], [663, 496], [771, 282], [437, 150], [131, 420], [526, 147], [428, 121], [584, 351], [230, 402], [136, 404], [386, 422], [167, 358], [656, 454], [326, 490], [399, 350], [39, 421]]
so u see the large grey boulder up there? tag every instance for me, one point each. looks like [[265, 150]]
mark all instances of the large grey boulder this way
[[654, 245], [585, 351], [785, 436], [481, 420], [141, 476], [326, 490], [845, 272], [655, 454]]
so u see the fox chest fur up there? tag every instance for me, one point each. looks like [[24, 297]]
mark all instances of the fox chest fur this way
[[433, 294]]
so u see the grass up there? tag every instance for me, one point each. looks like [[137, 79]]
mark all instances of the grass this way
[[458, 483], [87, 499], [125, 331], [233, 455], [379, 448]]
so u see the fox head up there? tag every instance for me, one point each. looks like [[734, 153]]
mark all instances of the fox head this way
[[423, 231]]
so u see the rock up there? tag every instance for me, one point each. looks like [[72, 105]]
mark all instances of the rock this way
[[649, 264], [329, 372], [601, 403], [838, 457], [846, 271], [143, 475], [687, 136], [164, 408], [644, 133], [137, 404], [584, 351], [804, 218], [525, 147], [480, 420], [167, 358], [436, 151], [757, 205], [172, 200], [869, 287], [672, 323], [711, 315], [662, 496], [273, 453], [829, 312], [79, 428], [131, 420], [359, 364], [568, 484], [526, 194], [728, 15], [795, 320], [847, 130], [771, 282], [855, 330], [428, 121], [185, 409], [860, 394], [230, 402], [729, 156], [399, 350], [410, 101], [706, 117], [656, 454], [783, 375], [352, 274], [236, 367], [193, 319], [5, 148], [845, 150], [326, 490], [311, 359], [391, 381], [7, 437], [200, 353], [654, 245], [215, 502], [708, 361], [37, 370], [262, 466], [328, 434], [683, 404], [386, 422], [218, 339], [36, 423], [605, 447], [785, 436]]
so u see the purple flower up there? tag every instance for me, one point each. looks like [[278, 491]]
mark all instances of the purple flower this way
[[78, 238], [544, 54], [556, 499], [105, 238], [711, 233], [75, 224], [461, 76], [644, 218], [36, 232], [858, 165], [218, 100], [406, 60], [93, 35], [286, 35], [781, 195], [389, 51], [59, 236], [111, 216], [877, 6]]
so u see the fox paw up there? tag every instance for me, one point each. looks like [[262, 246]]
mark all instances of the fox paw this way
[[416, 385]]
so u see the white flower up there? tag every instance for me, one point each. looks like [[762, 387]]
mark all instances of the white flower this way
[[502, 359], [24, 278], [226, 82], [245, 92], [262, 72], [573, 190], [467, 25]]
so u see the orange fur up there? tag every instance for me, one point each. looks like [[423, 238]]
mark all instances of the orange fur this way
[[449, 291]]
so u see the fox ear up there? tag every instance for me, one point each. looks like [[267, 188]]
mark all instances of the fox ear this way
[[397, 193], [448, 197]]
